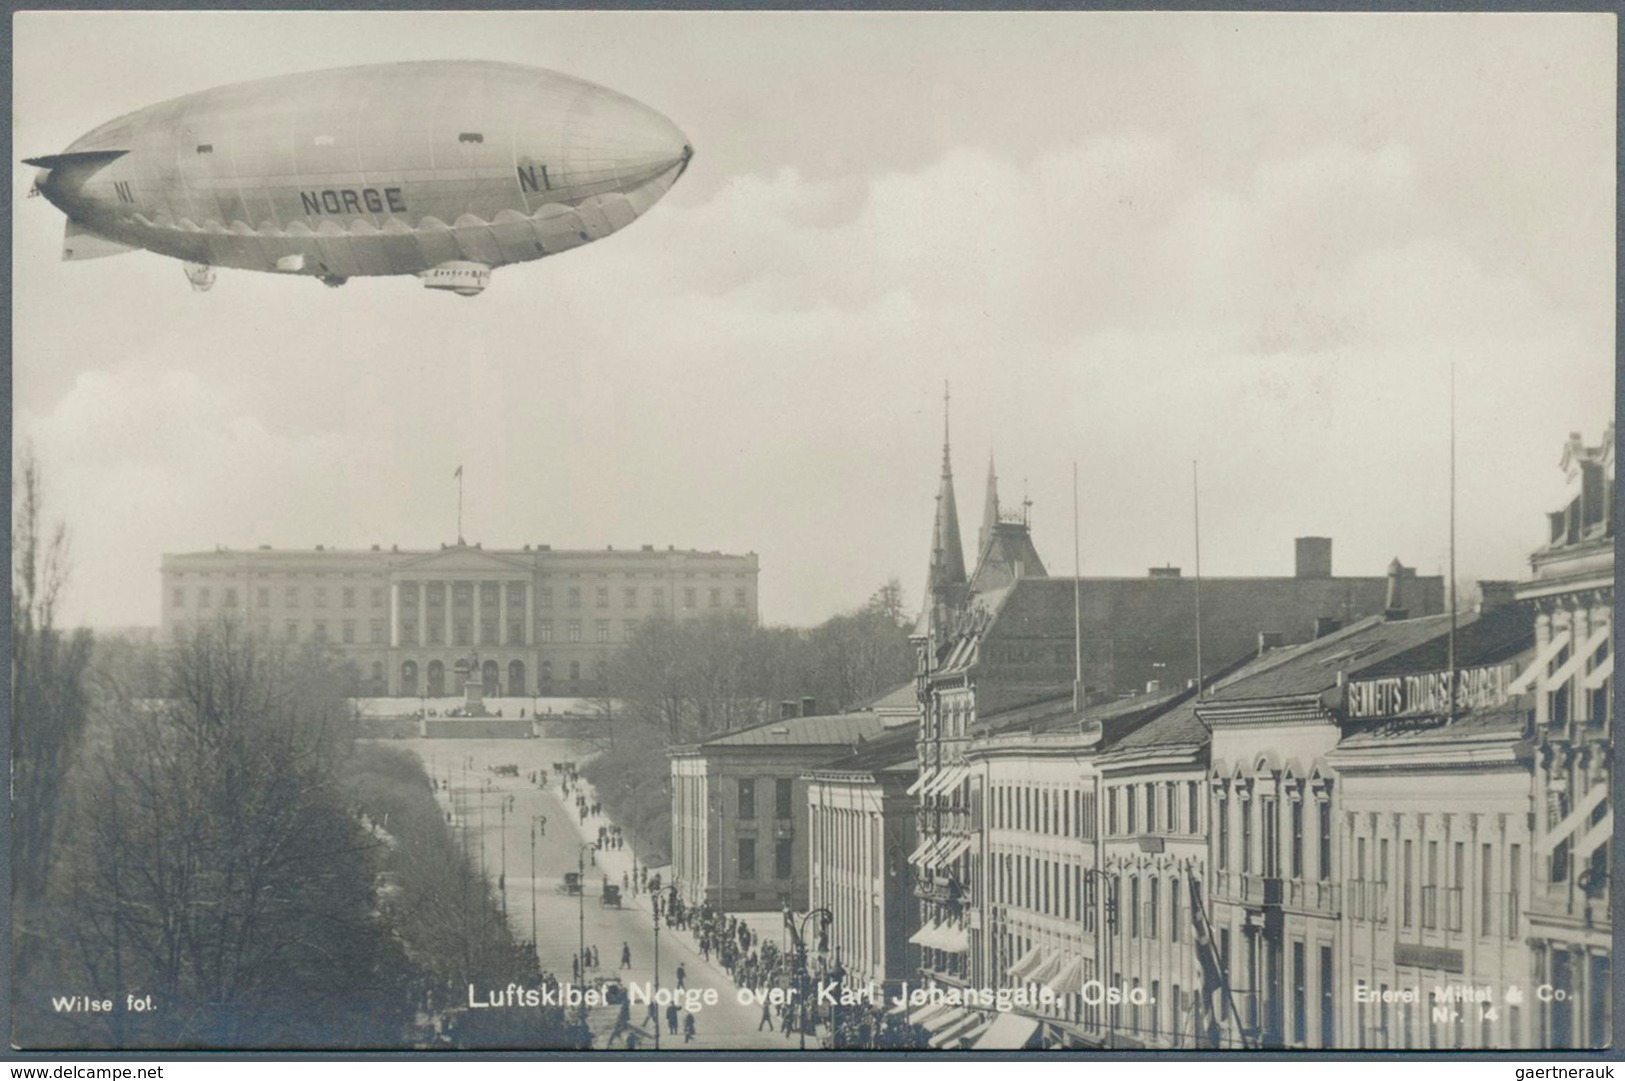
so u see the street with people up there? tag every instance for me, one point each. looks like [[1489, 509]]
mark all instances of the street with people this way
[[585, 901]]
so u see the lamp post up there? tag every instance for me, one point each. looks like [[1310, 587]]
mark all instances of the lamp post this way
[[502, 874], [1105, 924], [654, 907], [581, 906], [826, 917]]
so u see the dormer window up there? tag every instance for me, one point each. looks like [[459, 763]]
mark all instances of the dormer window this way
[[471, 137]]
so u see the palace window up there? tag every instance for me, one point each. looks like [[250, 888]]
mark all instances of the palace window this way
[[573, 630], [716, 598], [377, 631], [262, 597], [573, 597], [320, 600], [321, 630], [290, 632], [631, 594], [231, 598], [205, 597], [601, 630], [347, 633], [178, 597], [377, 596], [349, 596], [747, 858], [689, 597], [659, 600], [1324, 807], [747, 799], [544, 631], [739, 598], [603, 596], [544, 598]]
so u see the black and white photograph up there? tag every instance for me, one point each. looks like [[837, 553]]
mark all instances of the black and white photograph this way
[[661, 532]]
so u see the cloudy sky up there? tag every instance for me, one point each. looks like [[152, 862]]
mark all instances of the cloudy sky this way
[[1128, 240]]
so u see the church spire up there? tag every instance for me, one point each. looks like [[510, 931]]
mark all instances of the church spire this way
[[990, 509], [947, 555]]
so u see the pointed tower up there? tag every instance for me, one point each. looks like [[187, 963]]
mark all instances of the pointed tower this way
[[945, 578], [990, 510]]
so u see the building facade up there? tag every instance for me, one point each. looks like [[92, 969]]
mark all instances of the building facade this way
[[740, 810], [542, 622], [1571, 593], [860, 834]]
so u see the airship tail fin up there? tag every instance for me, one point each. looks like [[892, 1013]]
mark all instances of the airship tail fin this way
[[80, 243], [75, 157]]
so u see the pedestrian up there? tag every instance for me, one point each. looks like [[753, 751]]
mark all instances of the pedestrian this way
[[671, 1018], [688, 1026], [653, 1017], [626, 955], [682, 975], [631, 1041], [767, 1017], [625, 883]]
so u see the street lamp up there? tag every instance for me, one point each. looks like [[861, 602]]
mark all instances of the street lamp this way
[[535, 821], [1105, 905], [654, 908], [826, 917], [581, 906]]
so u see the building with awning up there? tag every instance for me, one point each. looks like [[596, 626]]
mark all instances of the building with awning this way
[[1570, 593]]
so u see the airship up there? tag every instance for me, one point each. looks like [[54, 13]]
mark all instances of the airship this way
[[445, 170]]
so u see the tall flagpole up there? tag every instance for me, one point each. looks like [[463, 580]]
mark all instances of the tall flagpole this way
[[1452, 684], [1196, 520], [1077, 603], [459, 504]]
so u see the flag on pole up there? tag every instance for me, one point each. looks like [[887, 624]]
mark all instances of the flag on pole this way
[[459, 472], [1214, 988]]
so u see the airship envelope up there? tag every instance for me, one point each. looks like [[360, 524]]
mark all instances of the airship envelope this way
[[444, 170]]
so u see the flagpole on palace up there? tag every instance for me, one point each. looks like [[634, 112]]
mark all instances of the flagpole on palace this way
[[459, 475]]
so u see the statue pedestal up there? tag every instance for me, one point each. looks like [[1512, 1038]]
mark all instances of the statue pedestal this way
[[474, 698]]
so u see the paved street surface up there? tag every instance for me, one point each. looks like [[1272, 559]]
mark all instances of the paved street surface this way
[[494, 813]]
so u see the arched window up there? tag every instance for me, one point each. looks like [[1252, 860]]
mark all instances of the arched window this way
[[544, 682], [600, 673], [437, 679], [575, 671], [378, 677], [409, 677], [488, 678], [516, 677]]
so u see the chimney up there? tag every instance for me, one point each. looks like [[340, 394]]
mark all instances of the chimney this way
[[787, 710], [1268, 640], [1495, 594], [1314, 557], [1394, 606], [1325, 625], [809, 707]]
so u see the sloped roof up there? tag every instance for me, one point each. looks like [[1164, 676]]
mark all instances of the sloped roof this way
[[892, 750], [1313, 667], [1487, 638], [1177, 727], [1008, 545], [836, 729], [902, 696]]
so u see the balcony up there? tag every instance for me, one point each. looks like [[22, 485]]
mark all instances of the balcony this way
[[1258, 890], [1368, 901], [1320, 897]]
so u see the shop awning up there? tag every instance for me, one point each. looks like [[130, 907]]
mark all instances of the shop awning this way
[[920, 782], [1580, 656], [948, 1029], [921, 849], [984, 1022], [1599, 675], [924, 1014], [939, 1022], [952, 850], [1051, 964], [1065, 980], [953, 939], [923, 936], [1010, 1032], [946, 781], [1538, 665], [1025, 963]]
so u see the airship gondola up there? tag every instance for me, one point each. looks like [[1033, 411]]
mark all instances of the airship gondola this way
[[445, 170]]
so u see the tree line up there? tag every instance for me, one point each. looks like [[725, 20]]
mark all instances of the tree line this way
[[202, 847], [679, 682]]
